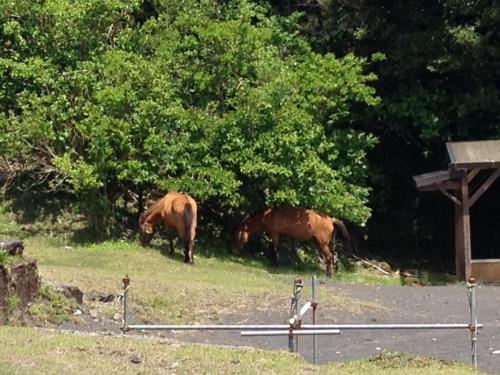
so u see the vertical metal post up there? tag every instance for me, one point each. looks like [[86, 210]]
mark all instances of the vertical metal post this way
[[290, 332], [471, 286], [299, 285], [294, 312], [314, 305], [126, 284]]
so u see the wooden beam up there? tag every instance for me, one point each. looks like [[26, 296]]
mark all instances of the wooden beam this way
[[484, 187], [465, 229], [475, 164], [451, 196], [459, 248], [462, 233], [447, 185], [430, 179], [472, 174]]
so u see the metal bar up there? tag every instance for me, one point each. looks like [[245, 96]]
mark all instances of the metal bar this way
[[391, 326], [294, 319], [313, 285], [297, 332], [235, 327], [206, 327], [305, 308]]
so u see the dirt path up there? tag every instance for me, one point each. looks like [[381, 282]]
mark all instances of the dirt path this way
[[429, 304]]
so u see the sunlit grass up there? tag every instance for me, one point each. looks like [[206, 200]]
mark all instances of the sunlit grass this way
[[31, 351], [166, 289]]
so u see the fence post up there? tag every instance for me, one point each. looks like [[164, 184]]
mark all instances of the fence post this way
[[126, 284], [471, 286], [294, 313], [314, 305]]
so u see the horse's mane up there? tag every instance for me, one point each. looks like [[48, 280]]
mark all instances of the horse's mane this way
[[324, 216], [151, 209], [251, 216]]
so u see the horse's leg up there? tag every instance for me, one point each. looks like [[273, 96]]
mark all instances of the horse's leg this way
[[188, 243], [325, 249], [188, 250], [275, 240], [171, 240], [170, 234]]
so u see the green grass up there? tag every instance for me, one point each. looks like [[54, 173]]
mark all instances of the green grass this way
[[50, 307], [6, 258], [34, 351], [166, 289]]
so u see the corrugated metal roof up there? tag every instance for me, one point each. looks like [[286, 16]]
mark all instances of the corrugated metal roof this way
[[474, 154]]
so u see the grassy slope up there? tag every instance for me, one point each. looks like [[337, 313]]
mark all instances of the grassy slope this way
[[165, 289], [24, 351]]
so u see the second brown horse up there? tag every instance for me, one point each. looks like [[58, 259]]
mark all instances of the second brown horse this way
[[177, 212], [296, 223]]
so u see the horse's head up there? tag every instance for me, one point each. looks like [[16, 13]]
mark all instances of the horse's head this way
[[146, 231], [240, 239]]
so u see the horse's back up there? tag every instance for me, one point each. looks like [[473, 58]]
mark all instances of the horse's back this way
[[178, 207], [180, 202], [299, 223]]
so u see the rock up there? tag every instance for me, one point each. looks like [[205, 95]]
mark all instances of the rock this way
[[135, 359], [117, 317], [93, 313], [21, 280], [77, 312], [13, 247], [101, 297], [70, 291], [174, 365]]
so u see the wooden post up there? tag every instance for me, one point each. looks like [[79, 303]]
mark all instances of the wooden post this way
[[463, 233], [459, 248]]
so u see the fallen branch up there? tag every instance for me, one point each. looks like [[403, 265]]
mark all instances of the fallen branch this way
[[371, 265]]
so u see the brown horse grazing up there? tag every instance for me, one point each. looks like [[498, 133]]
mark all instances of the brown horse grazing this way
[[176, 211], [296, 223]]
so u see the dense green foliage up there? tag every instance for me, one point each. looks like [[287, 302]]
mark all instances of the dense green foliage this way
[[249, 103], [439, 81], [108, 102]]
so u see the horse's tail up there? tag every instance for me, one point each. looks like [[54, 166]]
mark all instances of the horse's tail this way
[[345, 233], [188, 232]]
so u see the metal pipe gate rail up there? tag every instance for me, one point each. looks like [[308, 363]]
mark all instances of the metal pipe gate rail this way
[[295, 328]]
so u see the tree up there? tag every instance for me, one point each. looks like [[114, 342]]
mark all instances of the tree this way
[[438, 81], [220, 100]]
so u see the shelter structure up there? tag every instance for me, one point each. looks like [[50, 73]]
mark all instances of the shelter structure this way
[[467, 159]]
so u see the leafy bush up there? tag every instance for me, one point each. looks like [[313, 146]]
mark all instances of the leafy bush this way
[[222, 101]]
